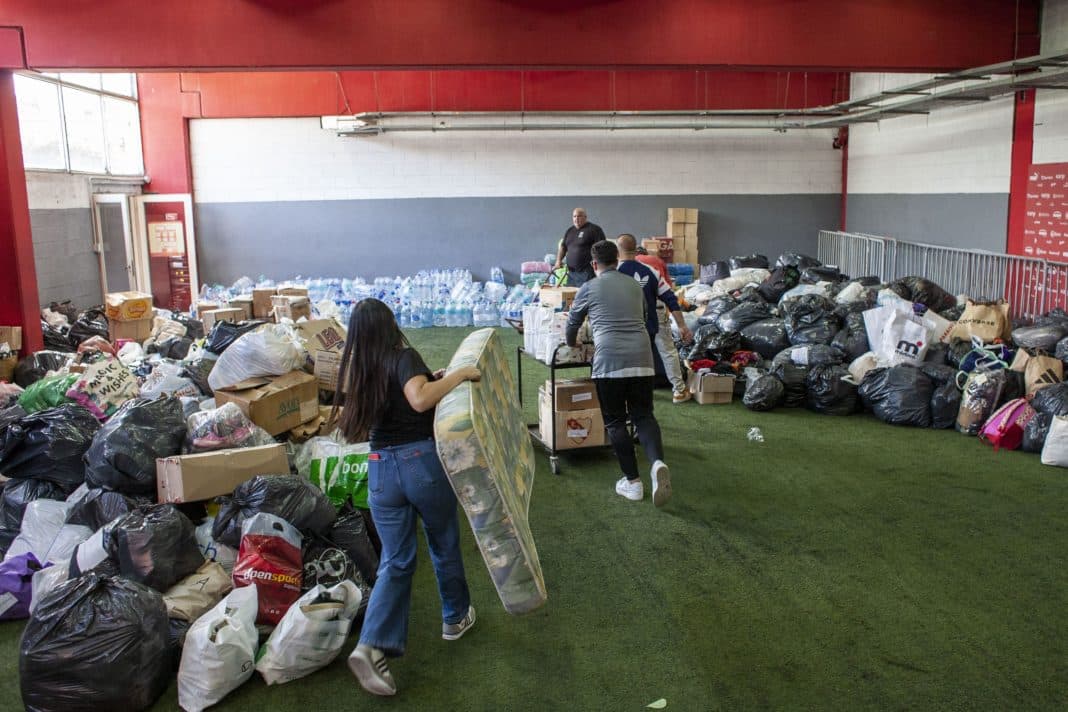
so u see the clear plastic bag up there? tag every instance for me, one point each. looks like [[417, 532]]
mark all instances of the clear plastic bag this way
[[222, 428], [273, 350]]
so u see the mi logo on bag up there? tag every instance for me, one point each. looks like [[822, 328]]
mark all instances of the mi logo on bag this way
[[907, 348]]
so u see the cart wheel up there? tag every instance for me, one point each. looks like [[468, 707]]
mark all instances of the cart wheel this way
[[554, 464]]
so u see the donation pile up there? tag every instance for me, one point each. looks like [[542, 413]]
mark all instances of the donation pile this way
[[170, 488]]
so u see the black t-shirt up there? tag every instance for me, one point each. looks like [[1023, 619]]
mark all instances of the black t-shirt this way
[[577, 244], [399, 423]]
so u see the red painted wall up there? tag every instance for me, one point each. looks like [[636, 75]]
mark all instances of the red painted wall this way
[[872, 35]]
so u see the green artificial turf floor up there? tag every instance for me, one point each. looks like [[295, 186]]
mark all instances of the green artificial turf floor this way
[[840, 564]]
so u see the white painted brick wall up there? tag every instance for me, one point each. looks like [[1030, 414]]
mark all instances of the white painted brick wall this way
[[966, 149], [258, 160], [56, 191], [1051, 106]]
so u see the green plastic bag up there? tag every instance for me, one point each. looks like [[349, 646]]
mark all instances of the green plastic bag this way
[[338, 469], [49, 392]]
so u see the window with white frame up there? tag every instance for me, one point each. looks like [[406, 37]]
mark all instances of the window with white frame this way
[[80, 122]]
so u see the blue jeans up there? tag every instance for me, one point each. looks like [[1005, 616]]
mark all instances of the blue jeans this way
[[405, 481]]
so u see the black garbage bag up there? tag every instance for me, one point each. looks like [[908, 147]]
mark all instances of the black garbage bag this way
[[351, 534], [751, 293], [764, 393], [814, 355], [176, 630], [794, 259], [767, 337], [56, 338], [852, 339], [831, 391], [957, 350], [1061, 352], [749, 262], [194, 328], [1052, 399], [794, 379], [11, 412], [824, 273], [715, 308], [199, 369], [1035, 432], [937, 353], [95, 643], [18, 493], [923, 291], [89, 323], [48, 445], [743, 315], [709, 342], [1039, 337], [291, 497], [328, 564], [811, 319], [953, 313], [123, 454], [100, 506], [939, 373], [715, 271], [174, 347], [900, 395], [1014, 387], [224, 333], [780, 280], [1054, 317], [155, 545], [33, 368], [945, 403], [66, 308]]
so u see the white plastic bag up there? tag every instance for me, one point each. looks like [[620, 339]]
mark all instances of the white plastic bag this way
[[851, 293], [311, 634], [905, 340], [220, 647], [214, 550], [750, 275], [66, 541], [92, 552], [131, 353], [861, 365], [41, 523], [198, 592], [271, 350], [167, 378], [45, 580], [1055, 451]]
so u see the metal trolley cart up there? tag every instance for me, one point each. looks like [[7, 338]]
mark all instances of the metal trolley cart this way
[[533, 428]]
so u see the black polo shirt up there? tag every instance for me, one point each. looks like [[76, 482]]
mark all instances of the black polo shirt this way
[[577, 244]]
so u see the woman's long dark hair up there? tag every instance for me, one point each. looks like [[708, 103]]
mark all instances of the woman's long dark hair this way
[[374, 339]]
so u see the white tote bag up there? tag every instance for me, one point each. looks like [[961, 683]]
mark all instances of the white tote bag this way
[[219, 652], [1055, 451]]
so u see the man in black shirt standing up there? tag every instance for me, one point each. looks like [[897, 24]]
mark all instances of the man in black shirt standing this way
[[576, 245]]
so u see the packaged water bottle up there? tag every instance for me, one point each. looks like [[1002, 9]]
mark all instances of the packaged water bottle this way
[[415, 316], [439, 314], [404, 316], [497, 275]]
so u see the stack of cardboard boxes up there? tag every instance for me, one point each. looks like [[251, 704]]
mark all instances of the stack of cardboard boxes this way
[[265, 303], [10, 345], [129, 315], [682, 229], [574, 413]]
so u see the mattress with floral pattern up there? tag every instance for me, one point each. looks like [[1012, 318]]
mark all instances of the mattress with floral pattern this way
[[485, 449]]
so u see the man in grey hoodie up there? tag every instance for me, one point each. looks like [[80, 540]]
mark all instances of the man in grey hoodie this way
[[622, 369]]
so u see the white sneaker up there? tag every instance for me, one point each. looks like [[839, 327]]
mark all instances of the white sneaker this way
[[681, 396], [370, 668], [661, 477], [454, 631], [633, 491]]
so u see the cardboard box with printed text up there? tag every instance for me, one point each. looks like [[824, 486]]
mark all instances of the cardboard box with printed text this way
[[275, 404], [128, 306]]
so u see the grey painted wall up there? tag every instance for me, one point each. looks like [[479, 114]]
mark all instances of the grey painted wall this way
[[67, 267], [371, 238], [965, 220]]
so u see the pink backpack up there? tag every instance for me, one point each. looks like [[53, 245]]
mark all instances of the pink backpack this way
[[1005, 428]]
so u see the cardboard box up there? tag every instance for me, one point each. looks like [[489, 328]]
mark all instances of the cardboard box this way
[[293, 291], [652, 245], [7, 367], [193, 478], [293, 308], [138, 330], [12, 336], [214, 316], [261, 302], [676, 215], [322, 335], [128, 306], [574, 428], [559, 298], [327, 367], [574, 394], [690, 231], [245, 305], [711, 388], [208, 306], [275, 404], [691, 215], [676, 229]]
